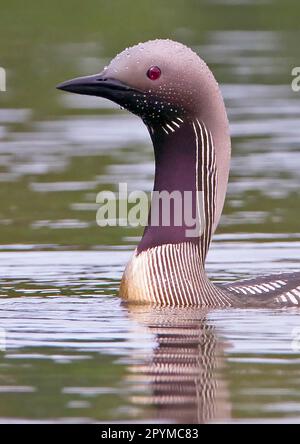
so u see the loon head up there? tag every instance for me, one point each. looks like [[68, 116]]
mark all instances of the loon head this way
[[158, 80]]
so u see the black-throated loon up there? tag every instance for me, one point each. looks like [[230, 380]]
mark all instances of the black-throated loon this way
[[172, 89]]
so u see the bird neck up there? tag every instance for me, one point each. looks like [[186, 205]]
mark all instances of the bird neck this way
[[183, 205]]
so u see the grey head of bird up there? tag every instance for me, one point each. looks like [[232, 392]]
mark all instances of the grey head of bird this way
[[159, 80]]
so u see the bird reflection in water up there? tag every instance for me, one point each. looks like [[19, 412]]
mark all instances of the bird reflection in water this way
[[184, 380]]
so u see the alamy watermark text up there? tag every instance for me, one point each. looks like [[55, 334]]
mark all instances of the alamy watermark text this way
[[168, 209], [296, 79], [2, 79]]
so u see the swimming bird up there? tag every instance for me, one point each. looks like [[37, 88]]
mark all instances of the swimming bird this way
[[174, 92]]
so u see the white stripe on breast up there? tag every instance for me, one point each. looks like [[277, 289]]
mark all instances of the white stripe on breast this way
[[292, 298]]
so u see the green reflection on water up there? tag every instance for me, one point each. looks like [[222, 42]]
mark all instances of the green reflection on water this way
[[67, 380]]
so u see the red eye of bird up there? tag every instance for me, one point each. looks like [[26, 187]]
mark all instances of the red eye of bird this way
[[154, 73]]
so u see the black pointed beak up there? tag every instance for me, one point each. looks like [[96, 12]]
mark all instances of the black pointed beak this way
[[98, 85]]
